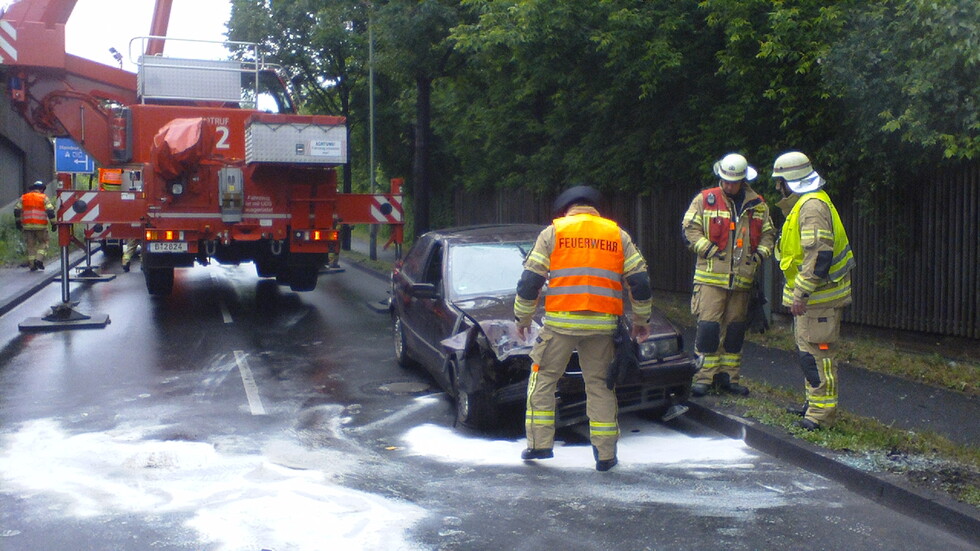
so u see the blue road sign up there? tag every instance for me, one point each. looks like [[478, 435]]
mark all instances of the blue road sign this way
[[69, 157]]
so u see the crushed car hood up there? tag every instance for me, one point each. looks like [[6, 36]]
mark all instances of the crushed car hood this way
[[495, 318]]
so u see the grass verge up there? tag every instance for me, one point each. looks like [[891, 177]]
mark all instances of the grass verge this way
[[924, 459]]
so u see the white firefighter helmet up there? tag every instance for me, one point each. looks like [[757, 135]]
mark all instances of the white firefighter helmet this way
[[38, 185], [796, 169], [733, 168]]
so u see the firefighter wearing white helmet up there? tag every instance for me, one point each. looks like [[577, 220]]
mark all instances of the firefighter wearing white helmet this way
[[729, 229], [816, 258]]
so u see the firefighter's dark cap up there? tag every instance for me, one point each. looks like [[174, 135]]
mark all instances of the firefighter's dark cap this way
[[577, 195]]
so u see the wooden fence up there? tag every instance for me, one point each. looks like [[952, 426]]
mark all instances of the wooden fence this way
[[918, 257]]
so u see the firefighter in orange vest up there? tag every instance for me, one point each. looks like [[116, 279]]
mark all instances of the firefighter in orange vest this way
[[585, 259], [33, 214], [730, 230]]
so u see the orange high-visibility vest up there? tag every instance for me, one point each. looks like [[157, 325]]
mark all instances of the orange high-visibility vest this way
[[33, 215], [586, 266]]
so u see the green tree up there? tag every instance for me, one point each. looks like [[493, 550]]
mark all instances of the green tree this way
[[321, 46], [414, 47]]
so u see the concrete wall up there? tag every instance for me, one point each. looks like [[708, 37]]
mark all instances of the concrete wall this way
[[25, 155]]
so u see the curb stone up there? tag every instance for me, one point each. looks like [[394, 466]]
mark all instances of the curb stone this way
[[934, 509]]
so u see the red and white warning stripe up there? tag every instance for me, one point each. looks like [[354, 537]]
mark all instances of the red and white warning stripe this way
[[8, 41], [386, 208], [96, 232], [71, 202]]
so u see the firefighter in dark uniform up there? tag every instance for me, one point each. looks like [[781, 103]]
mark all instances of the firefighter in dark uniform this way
[[817, 260], [34, 214], [729, 229], [586, 259]]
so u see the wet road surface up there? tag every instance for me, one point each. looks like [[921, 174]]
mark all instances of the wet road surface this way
[[239, 415]]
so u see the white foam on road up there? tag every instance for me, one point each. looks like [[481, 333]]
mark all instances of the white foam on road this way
[[657, 446], [235, 500]]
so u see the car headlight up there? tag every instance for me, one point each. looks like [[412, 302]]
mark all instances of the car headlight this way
[[658, 349]]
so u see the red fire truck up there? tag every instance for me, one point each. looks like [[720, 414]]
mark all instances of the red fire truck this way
[[211, 160]]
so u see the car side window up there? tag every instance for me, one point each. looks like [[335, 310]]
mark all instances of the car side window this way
[[433, 268], [414, 263]]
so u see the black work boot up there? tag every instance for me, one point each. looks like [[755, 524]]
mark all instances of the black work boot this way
[[808, 425], [38, 264], [801, 412], [723, 380], [699, 389], [531, 453], [737, 389], [603, 465]]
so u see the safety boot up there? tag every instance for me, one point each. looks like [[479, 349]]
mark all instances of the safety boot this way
[[38, 265], [125, 266], [723, 382], [800, 412], [603, 465], [531, 454], [699, 389], [808, 425]]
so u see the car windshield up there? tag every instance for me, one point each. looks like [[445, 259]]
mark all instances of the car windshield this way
[[486, 268]]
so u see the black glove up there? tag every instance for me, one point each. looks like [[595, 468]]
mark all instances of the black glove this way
[[756, 313], [624, 363]]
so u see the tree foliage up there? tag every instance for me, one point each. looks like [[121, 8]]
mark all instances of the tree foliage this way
[[631, 94]]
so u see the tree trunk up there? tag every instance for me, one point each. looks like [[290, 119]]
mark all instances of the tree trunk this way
[[420, 170]]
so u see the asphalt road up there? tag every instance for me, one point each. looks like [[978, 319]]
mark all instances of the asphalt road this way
[[238, 415]]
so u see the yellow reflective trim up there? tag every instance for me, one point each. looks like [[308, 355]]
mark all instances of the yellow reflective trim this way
[[711, 360], [569, 320], [632, 262], [541, 259], [711, 278], [730, 360]]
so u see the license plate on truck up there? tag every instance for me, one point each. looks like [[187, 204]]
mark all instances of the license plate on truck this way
[[168, 246]]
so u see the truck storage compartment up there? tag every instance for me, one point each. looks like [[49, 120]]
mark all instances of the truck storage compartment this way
[[305, 139]]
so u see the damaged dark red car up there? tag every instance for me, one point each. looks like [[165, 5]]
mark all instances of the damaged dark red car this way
[[452, 312]]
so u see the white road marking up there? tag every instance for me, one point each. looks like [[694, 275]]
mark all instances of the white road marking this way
[[251, 389], [225, 314]]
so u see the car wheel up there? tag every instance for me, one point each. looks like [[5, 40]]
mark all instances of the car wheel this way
[[474, 410], [398, 336]]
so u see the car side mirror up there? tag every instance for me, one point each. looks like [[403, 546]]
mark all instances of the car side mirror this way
[[425, 290]]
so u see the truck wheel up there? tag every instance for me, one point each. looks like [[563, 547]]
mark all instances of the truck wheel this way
[[267, 269], [474, 410], [112, 249], [159, 281], [303, 278]]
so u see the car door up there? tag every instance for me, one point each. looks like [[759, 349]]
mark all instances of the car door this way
[[435, 318]]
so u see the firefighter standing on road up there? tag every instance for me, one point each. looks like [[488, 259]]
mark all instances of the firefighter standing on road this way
[[816, 259], [730, 230], [34, 214], [585, 259]]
